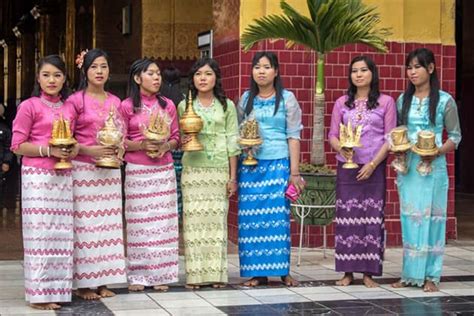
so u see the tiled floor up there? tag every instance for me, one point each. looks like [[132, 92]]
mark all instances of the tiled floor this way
[[316, 295]]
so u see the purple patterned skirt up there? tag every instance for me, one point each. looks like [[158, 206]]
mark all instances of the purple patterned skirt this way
[[359, 244]]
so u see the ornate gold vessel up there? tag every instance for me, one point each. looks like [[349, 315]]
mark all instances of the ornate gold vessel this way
[[158, 130], [425, 147], [191, 124], [350, 140], [61, 137], [399, 144], [109, 135], [249, 138]]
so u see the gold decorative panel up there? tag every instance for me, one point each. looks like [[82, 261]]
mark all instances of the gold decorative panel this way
[[170, 27], [226, 20]]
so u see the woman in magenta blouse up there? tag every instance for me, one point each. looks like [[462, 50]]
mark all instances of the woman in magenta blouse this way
[[151, 208], [98, 231], [360, 192], [47, 205]]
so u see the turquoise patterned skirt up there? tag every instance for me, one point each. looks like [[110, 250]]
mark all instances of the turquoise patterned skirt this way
[[264, 219], [423, 204]]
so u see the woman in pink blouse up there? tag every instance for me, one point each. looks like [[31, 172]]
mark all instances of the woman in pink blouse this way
[[98, 232], [47, 206], [150, 182], [360, 192]]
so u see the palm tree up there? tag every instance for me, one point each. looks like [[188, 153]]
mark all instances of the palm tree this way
[[331, 24]]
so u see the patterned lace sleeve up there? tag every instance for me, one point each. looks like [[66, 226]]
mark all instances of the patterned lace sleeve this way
[[451, 122], [293, 117], [240, 109], [336, 119], [232, 130], [399, 109]]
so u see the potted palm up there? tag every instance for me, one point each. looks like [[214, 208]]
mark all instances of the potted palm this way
[[330, 24]]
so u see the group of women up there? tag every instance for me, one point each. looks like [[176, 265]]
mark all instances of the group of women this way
[[72, 219]]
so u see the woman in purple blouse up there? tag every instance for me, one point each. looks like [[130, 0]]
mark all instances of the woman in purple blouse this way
[[360, 192]]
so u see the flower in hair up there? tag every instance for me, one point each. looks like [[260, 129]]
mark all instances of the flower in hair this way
[[80, 58]]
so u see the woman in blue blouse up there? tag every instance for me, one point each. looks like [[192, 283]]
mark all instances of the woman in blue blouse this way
[[423, 199], [264, 213]]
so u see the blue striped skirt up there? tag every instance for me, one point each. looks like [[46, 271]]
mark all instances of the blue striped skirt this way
[[264, 219]]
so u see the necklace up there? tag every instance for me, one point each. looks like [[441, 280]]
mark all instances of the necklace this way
[[53, 105], [266, 95], [206, 107]]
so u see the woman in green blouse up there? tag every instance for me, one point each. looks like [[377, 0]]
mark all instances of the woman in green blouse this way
[[209, 178]]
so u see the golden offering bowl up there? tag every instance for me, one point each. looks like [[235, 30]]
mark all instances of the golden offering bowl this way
[[158, 130], [249, 139], [109, 135], [250, 159], [425, 145], [350, 140], [399, 137], [61, 137], [191, 124]]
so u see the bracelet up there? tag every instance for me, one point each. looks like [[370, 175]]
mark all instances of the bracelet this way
[[48, 152], [372, 164], [231, 181], [41, 151], [296, 175]]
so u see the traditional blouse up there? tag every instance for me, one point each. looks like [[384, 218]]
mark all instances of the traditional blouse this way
[[446, 117], [219, 135], [34, 122], [275, 130], [135, 122], [376, 124], [92, 115]]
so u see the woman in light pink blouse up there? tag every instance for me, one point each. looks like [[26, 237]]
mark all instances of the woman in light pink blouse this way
[[98, 231], [47, 206], [150, 182], [360, 192]]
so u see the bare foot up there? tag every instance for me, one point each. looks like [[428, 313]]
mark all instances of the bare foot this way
[[430, 287], [103, 291], [369, 282], [346, 280], [161, 288], [136, 288], [87, 294], [400, 284], [289, 281], [45, 306], [219, 285], [256, 281], [192, 286]]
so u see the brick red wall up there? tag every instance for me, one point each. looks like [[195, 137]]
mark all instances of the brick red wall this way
[[297, 68]]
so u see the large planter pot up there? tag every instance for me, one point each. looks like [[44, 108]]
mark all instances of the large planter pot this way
[[320, 191]]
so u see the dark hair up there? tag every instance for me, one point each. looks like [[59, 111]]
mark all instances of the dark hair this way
[[133, 91], [170, 87], [218, 90], [374, 92], [277, 84], [425, 58], [89, 58], [56, 61]]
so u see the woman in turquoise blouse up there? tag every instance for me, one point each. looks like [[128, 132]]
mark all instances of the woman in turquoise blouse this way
[[264, 213], [423, 199]]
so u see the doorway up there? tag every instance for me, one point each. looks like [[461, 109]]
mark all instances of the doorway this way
[[465, 99]]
